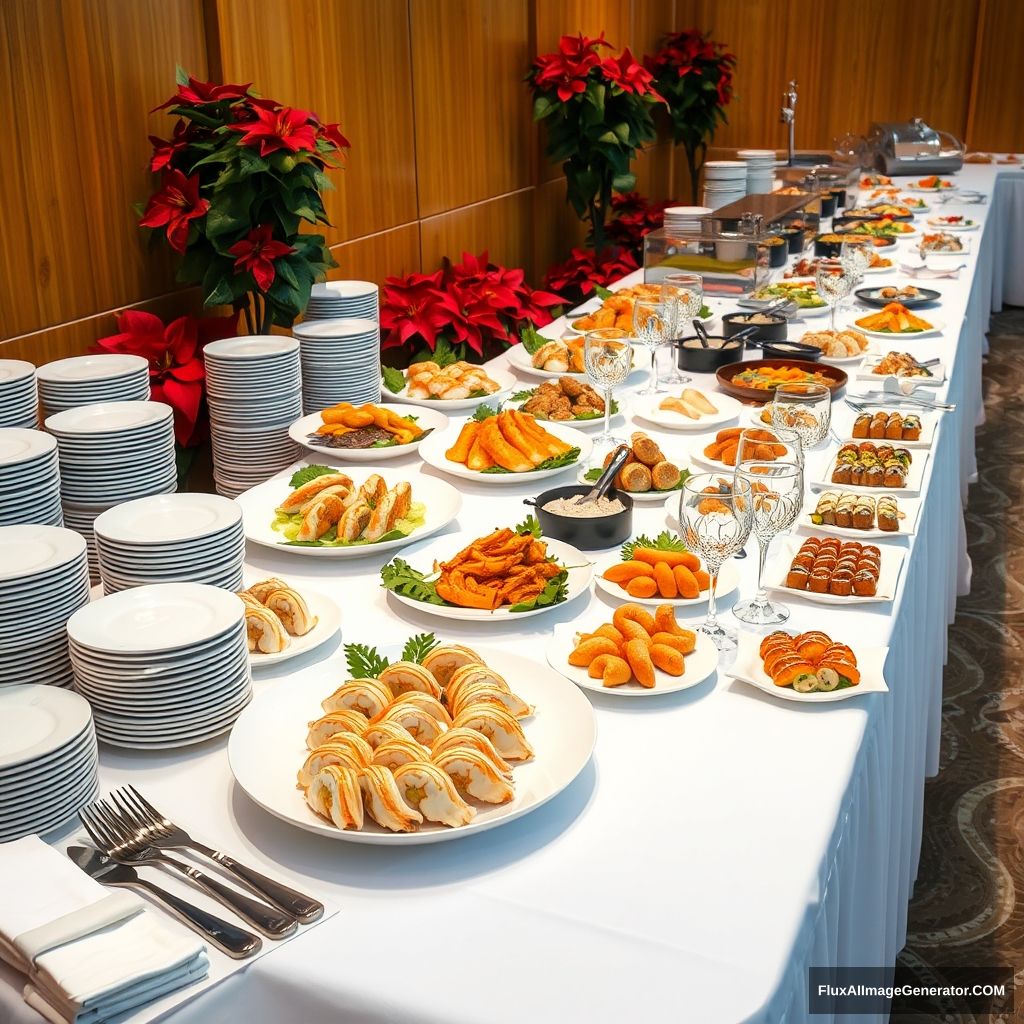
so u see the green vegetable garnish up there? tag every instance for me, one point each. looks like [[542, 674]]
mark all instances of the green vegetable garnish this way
[[364, 662], [401, 578], [665, 541], [394, 380], [555, 462], [555, 591], [602, 293], [530, 525], [307, 473], [484, 412], [418, 647], [531, 339]]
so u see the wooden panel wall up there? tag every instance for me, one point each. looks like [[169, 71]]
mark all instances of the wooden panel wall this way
[[445, 157]]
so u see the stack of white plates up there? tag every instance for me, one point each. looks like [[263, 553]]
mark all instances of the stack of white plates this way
[[254, 391], [19, 405], [684, 220], [340, 362], [344, 300], [48, 759], [162, 666], [109, 453], [29, 478], [44, 579], [87, 380], [725, 181], [760, 169], [171, 538]]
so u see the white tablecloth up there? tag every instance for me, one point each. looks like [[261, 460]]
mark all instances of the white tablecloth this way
[[719, 843]]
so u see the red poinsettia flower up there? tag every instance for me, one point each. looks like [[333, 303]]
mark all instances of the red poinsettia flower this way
[[272, 130], [257, 252], [174, 352], [197, 93], [566, 71], [629, 74], [164, 150], [413, 306], [176, 204], [332, 133], [584, 270]]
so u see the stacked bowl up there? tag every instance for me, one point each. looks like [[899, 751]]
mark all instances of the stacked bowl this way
[[88, 380], [19, 404], [163, 666], [109, 453], [29, 478], [760, 169], [343, 300], [684, 220], [725, 181], [171, 538], [44, 580], [340, 362], [254, 391], [48, 759]]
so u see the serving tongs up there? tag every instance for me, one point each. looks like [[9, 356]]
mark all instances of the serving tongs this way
[[875, 398], [605, 480], [781, 305]]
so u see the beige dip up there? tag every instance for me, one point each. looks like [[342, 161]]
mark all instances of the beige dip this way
[[573, 507]]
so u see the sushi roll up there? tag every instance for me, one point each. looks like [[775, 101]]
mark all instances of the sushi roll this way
[[894, 427], [888, 514], [842, 474], [825, 511], [862, 425], [864, 513], [865, 583], [892, 476], [819, 581], [911, 428], [797, 577], [878, 424], [841, 584], [844, 511]]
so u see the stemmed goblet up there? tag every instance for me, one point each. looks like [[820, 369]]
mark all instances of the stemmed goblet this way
[[805, 409], [653, 324], [715, 518], [834, 282], [687, 290], [607, 358]]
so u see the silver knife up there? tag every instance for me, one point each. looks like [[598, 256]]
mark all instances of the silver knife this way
[[236, 942]]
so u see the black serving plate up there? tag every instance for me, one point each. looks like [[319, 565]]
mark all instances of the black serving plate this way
[[870, 297]]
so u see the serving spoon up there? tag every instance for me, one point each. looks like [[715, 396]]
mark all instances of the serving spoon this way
[[604, 481]]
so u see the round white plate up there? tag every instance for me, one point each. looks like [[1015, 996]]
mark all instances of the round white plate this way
[[38, 720], [423, 556], [442, 503], [14, 371], [505, 381], [32, 550], [522, 361], [341, 331], [940, 225], [641, 497], [697, 667], [728, 410], [19, 445], [728, 581], [160, 617], [426, 419], [267, 747], [921, 188], [591, 425], [109, 418], [937, 326], [328, 622], [92, 368], [433, 448], [164, 518], [749, 668], [258, 347]]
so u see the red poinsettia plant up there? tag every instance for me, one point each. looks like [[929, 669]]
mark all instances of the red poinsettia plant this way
[[474, 308], [585, 271], [635, 216], [239, 176], [175, 355], [597, 109], [694, 74]]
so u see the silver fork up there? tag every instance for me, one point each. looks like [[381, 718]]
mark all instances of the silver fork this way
[[124, 843], [164, 834]]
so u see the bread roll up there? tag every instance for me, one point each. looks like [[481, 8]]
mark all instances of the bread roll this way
[[635, 477], [665, 475], [646, 450]]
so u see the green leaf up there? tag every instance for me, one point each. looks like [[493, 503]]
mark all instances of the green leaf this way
[[180, 75], [401, 578], [394, 380], [542, 106], [665, 541], [531, 526], [555, 462], [484, 412], [622, 132], [624, 182], [555, 591], [531, 339], [609, 138], [364, 662], [602, 292], [522, 396], [307, 473], [444, 354], [593, 475], [418, 647], [217, 290]]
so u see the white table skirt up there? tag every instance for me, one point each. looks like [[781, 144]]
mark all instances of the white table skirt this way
[[719, 843]]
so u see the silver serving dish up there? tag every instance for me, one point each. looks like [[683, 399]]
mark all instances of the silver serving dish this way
[[912, 147]]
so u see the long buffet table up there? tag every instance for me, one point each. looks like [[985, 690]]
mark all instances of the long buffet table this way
[[719, 842]]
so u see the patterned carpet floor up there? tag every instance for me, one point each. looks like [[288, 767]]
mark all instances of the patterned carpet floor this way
[[965, 912]]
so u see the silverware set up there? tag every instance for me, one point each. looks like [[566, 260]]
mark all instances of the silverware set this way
[[129, 832]]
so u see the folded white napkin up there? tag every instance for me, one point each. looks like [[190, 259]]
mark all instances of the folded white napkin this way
[[89, 952], [929, 273]]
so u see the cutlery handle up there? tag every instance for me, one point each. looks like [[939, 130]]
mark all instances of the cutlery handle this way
[[270, 921], [236, 942], [303, 908]]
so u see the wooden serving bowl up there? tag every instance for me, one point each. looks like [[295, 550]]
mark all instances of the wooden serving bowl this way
[[725, 374]]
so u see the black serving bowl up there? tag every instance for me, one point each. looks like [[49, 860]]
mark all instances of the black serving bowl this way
[[692, 356], [585, 534], [791, 350], [839, 191], [794, 239], [825, 247], [828, 204], [732, 323], [778, 250]]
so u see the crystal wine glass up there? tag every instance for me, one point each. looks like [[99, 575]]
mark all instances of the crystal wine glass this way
[[834, 282], [784, 446], [608, 358], [856, 258], [653, 324], [776, 497], [688, 292], [715, 518], [805, 409]]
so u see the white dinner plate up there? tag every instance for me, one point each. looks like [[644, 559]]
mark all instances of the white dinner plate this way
[[591, 424], [433, 449], [441, 502], [426, 419], [932, 253], [933, 189], [19, 445], [109, 418], [940, 225], [267, 748], [728, 410], [778, 565], [651, 497], [937, 327], [160, 617], [749, 668], [328, 616], [915, 476], [929, 421], [423, 557], [910, 508], [728, 581], [167, 518], [99, 367], [697, 666], [519, 358], [31, 550], [505, 381], [265, 349], [38, 720]]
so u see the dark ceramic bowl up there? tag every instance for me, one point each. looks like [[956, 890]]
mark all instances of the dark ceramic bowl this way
[[778, 251], [693, 357], [585, 534], [828, 204], [732, 323], [794, 239]]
